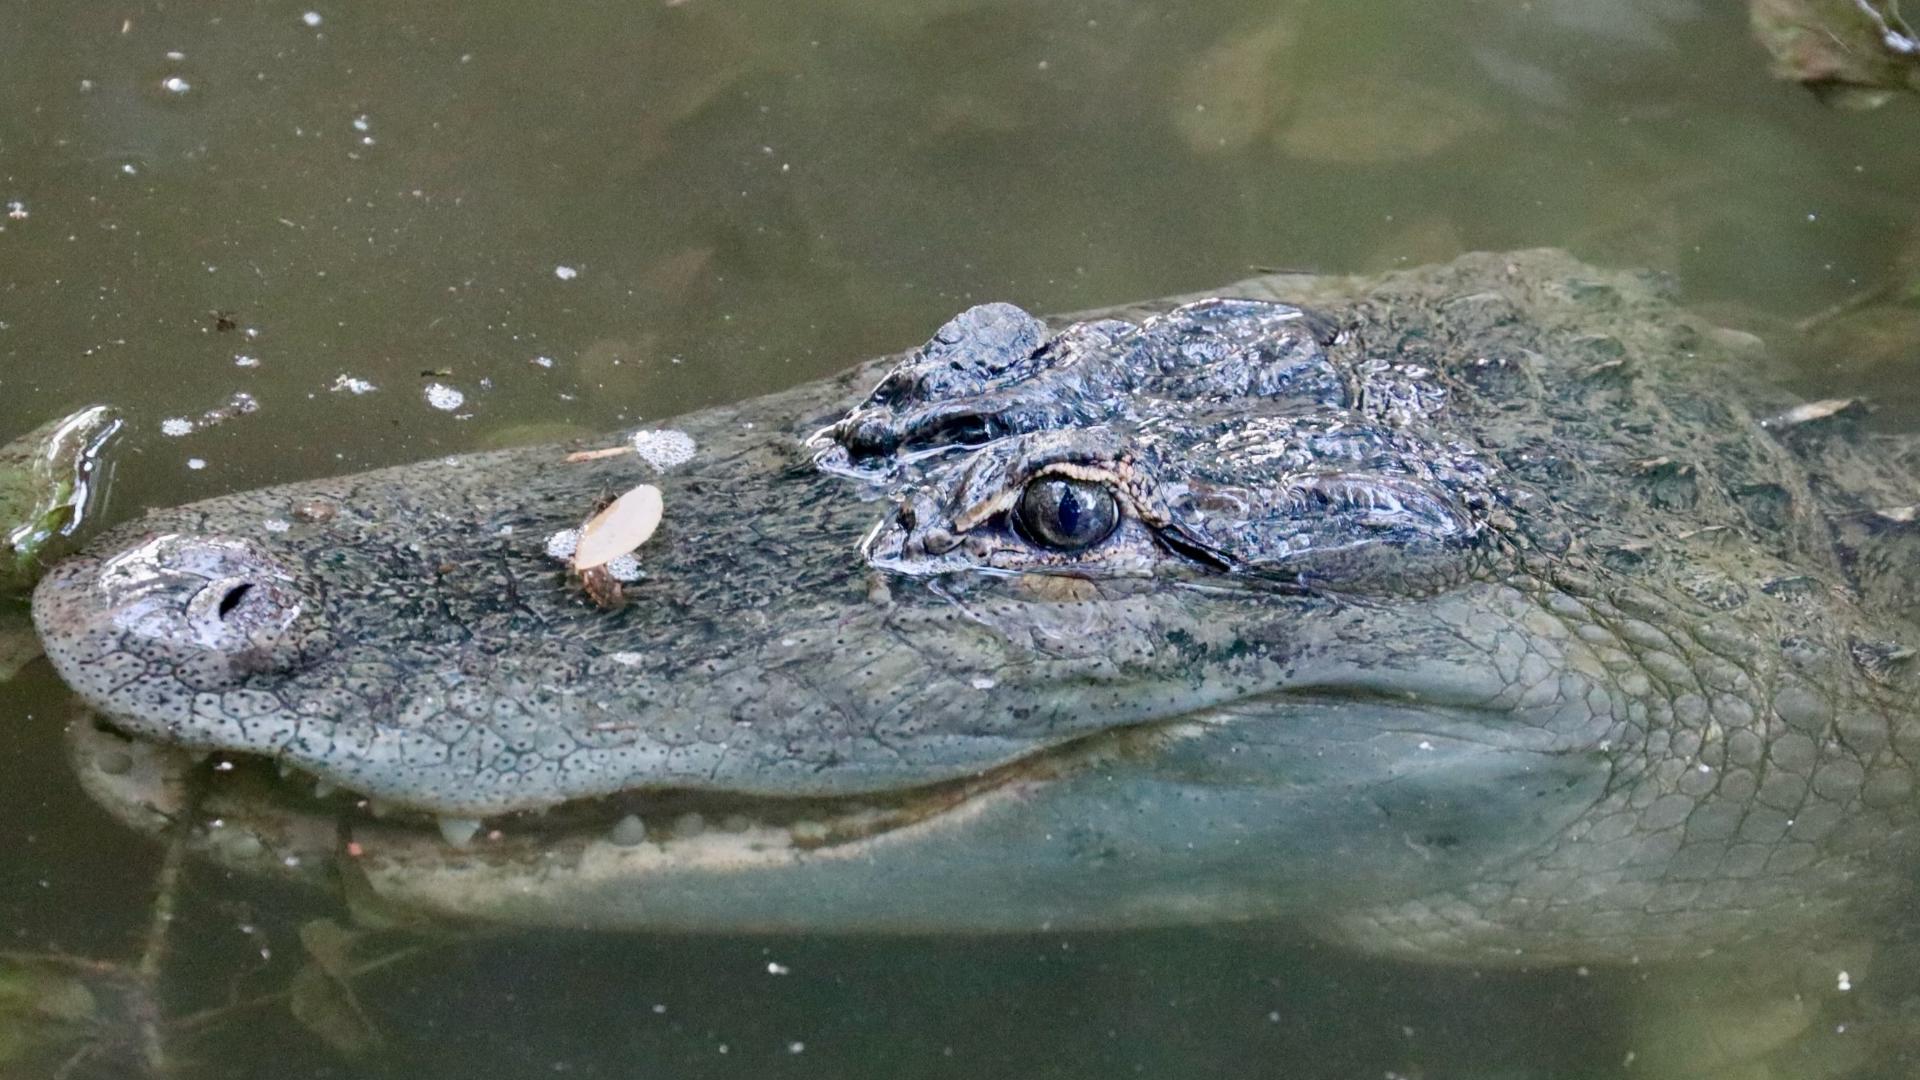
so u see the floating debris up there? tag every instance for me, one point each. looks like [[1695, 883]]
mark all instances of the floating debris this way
[[603, 588], [595, 455], [351, 385], [600, 552], [565, 273], [444, 397], [239, 404], [1824, 409], [561, 545], [1607, 368], [624, 525], [663, 449]]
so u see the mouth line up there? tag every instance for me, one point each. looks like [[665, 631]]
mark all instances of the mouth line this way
[[242, 785]]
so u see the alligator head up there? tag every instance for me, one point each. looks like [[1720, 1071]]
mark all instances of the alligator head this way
[[1225, 611]]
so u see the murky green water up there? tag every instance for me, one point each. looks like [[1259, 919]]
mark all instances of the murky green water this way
[[579, 215]]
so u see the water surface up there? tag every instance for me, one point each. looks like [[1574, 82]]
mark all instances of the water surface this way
[[579, 216]]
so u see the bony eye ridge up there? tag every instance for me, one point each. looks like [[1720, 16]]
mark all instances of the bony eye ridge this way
[[1065, 513]]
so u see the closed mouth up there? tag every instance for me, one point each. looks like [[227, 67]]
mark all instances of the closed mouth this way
[[235, 788], [243, 790]]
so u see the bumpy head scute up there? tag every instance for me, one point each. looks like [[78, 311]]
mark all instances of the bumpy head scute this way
[[1239, 435]]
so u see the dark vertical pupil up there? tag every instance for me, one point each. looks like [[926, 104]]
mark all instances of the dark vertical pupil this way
[[1069, 511]]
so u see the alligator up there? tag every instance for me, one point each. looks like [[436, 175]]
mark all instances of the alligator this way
[[1492, 612]]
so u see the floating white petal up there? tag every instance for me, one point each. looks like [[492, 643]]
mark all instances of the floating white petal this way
[[621, 527]]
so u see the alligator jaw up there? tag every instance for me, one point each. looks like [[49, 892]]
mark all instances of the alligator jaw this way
[[679, 860], [149, 784]]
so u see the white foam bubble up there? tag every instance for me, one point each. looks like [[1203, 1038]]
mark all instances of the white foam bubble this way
[[444, 397], [663, 449], [563, 544]]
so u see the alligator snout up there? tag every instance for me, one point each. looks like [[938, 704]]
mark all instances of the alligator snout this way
[[210, 612]]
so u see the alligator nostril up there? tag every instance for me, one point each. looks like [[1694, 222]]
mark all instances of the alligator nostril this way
[[233, 597]]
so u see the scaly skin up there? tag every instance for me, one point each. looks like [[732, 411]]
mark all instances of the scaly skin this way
[[1473, 618]]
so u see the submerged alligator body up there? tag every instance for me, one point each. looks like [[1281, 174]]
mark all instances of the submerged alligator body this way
[[1467, 613]]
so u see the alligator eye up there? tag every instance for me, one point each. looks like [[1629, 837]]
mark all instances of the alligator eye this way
[[1067, 514]]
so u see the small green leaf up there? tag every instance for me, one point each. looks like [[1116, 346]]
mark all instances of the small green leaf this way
[[324, 1006], [330, 945], [42, 1009]]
